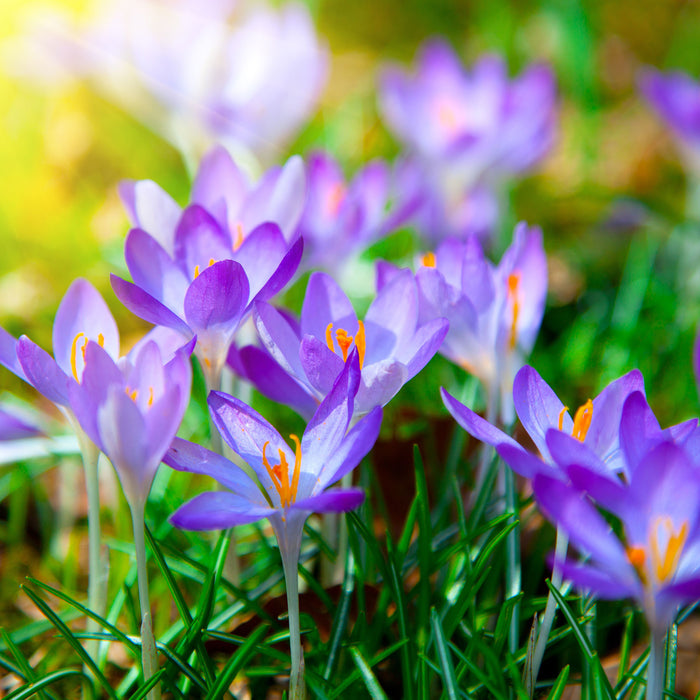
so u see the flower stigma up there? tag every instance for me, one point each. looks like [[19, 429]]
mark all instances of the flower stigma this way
[[279, 473], [83, 346], [345, 341], [428, 260], [582, 420], [664, 560]]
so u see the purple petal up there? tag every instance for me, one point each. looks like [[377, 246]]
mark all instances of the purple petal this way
[[324, 303], [381, 381], [566, 450], [8, 354], [217, 510], [146, 307], [82, 312], [217, 297], [525, 463], [603, 583], [274, 382], [279, 338], [607, 491], [538, 407], [475, 425], [42, 372], [187, 456], [638, 427], [321, 366], [423, 346], [198, 240], [332, 501]]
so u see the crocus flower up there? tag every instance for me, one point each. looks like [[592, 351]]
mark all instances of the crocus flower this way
[[132, 410], [675, 97], [190, 72], [81, 316], [392, 345], [204, 279], [341, 218], [294, 481], [590, 435], [494, 311], [479, 124]]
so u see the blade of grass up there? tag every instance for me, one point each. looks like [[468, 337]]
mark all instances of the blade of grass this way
[[449, 680], [371, 683], [37, 686], [559, 685]]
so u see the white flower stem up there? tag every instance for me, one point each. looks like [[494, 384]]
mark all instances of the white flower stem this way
[[297, 689], [149, 657], [655, 670], [545, 626]]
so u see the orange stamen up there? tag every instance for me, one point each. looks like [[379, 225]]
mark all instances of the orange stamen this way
[[561, 417], [665, 568], [428, 260], [636, 556], [360, 342], [196, 271], [74, 353], [344, 341], [297, 468], [335, 198], [133, 395], [279, 473], [513, 288], [329, 337], [238, 236], [582, 420], [100, 340], [150, 396]]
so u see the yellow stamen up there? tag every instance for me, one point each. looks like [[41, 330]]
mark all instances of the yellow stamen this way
[[561, 417], [513, 288], [238, 236], [344, 341], [100, 340], [329, 337], [74, 353], [428, 260], [360, 343], [636, 556], [582, 420], [297, 468], [196, 271], [665, 568], [150, 396], [133, 395], [335, 198]]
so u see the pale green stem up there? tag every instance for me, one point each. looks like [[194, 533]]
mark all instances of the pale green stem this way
[[655, 670], [149, 657], [297, 689], [545, 626]]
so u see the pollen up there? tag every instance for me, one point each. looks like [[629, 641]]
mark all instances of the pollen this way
[[428, 260], [345, 341]]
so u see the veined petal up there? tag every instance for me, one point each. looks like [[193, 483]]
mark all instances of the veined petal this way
[[217, 510], [199, 238], [331, 501], [189, 457], [538, 407], [525, 463], [82, 310], [381, 381], [278, 276], [147, 307], [8, 354], [423, 346], [566, 450], [638, 429], [325, 302], [42, 372], [279, 338], [320, 364]]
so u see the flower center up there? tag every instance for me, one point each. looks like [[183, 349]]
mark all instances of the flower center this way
[[345, 341], [513, 294], [428, 260], [279, 473], [238, 236], [196, 267], [334, 198], [582, 420], [133, 394], [447, 115], [83, 345], [664, 557]]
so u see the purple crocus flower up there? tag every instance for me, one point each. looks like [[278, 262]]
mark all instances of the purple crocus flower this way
[[132, 409], [294, 482], [303, 360], [204, 280], [494, 311], [82, 316], [590, 437], [675, 97], [250, 81], [341, 218], [656, 560], [479, 123]]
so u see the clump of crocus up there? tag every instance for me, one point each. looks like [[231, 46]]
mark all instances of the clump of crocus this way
[[675, 97], [250, 81], [468, 129], [198, 271], [654, 558], [301, 361], [293, 482], [342, 218], [494, 311], [132, 411]]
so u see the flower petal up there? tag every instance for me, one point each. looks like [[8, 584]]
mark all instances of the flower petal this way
[[325, 302], [331, 501], [217, 510], [42, 372]]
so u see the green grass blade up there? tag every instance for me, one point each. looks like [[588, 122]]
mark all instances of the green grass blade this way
[[371, 683], [37, 686], [671, 654], [449, 680], [559, 685], [70, 638], [235, 664]]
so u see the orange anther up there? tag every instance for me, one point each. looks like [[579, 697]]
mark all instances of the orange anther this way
[[582, 420], [428, 260], [561, 417], [344, 341], [238, 236], [74, 353], [513, 282]]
